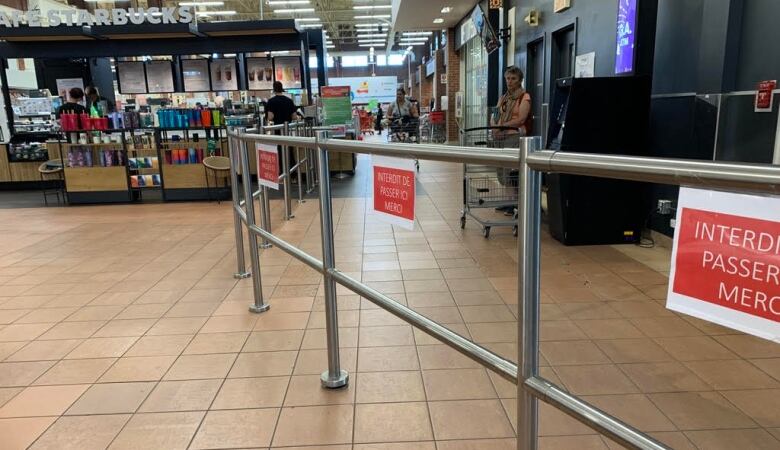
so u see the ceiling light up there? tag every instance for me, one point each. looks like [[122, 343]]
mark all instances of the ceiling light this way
[[412, 40], [371, 41], [370, 33], [438, 20], [370, 45], [417, 33], [414, 43], [330, 46], [372, 7], [216, 13], [367, 25], [311, 25], [375, 16], [281, 52], [289, 2], [307, 19], [293, 10], [446, 10], [201, 3]]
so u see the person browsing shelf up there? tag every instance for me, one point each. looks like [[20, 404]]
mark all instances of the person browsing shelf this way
[[72, 106]]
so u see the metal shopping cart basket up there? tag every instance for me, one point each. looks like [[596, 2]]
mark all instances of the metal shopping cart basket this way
[[405, 129], [487, 187]]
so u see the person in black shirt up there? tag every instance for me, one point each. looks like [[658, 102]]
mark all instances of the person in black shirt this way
[[73, 106], [280, 108]]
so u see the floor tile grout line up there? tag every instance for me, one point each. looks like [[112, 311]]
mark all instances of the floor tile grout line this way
[[216, 393]]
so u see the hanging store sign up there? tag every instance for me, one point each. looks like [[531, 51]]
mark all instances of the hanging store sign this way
[[393, 190], [268, 166], [82, 17], [765, 96], [726, 261]]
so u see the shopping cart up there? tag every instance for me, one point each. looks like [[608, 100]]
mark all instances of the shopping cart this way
[[366, 122], [405, 129], [487, 187], [437, 127]]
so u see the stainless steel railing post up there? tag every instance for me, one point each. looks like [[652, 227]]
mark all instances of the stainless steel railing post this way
[[286, 174], [334, 377], [241, 263], [528, 247], [254, 253]]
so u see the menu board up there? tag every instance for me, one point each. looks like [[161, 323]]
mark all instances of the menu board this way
[[336, 105], [64, 85], [196, 75], [260, 74], [224, 76], [288, 71], [159, 76], [132, 77]]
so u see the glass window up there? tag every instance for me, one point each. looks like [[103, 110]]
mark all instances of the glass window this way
[[381, 60], [475, 107], [396, 59], [354, 61], [313, 62]]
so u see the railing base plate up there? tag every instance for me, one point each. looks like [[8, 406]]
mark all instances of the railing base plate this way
[[259, 309], [241, 275], [334, 383]]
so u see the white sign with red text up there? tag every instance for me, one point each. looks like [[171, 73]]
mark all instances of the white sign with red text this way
[[393, 190], [268, 166], [726, 261]]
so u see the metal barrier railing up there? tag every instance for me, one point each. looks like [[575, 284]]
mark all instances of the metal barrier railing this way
[[532, 162]]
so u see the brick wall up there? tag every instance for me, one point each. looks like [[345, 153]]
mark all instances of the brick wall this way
[[453, 84]]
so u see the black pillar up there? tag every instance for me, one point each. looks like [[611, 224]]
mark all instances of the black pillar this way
[[495, 85], [647, 19], [719, 45]]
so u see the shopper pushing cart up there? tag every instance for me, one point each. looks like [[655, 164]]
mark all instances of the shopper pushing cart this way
[[490, 187], [403, 119]]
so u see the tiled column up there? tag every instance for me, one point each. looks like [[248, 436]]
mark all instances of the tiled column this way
[[453, 84]]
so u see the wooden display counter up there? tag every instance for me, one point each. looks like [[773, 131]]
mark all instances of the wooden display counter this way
[[22, 171]]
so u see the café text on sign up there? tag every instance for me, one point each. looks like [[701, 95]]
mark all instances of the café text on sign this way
[[268, 166], [393, 182], [726, 261]]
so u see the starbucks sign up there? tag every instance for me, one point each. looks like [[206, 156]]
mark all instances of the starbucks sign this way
[[82, 17]]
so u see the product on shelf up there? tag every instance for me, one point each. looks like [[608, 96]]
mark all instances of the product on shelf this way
[[79, 156], [140, 181], [189, 118]]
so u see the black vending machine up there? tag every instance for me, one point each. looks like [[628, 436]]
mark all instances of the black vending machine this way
[[607, 115]]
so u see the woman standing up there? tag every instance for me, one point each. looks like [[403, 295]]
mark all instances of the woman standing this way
[[513, 111], [513, 108]]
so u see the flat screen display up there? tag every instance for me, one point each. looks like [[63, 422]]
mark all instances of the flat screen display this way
[[626, 37]]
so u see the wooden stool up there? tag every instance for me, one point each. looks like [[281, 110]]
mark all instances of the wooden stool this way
[[52, 170], [219, 166]]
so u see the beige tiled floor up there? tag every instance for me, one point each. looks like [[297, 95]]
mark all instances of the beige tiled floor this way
[[122, 327]]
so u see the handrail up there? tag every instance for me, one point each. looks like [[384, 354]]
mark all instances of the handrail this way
[[711, 174], [614, 429], [433, 152], [530, 386]]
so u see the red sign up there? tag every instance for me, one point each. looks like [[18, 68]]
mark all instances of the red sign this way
[[334, 91], [268, 166], [394, 194], [765, 96], [729, 260]]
